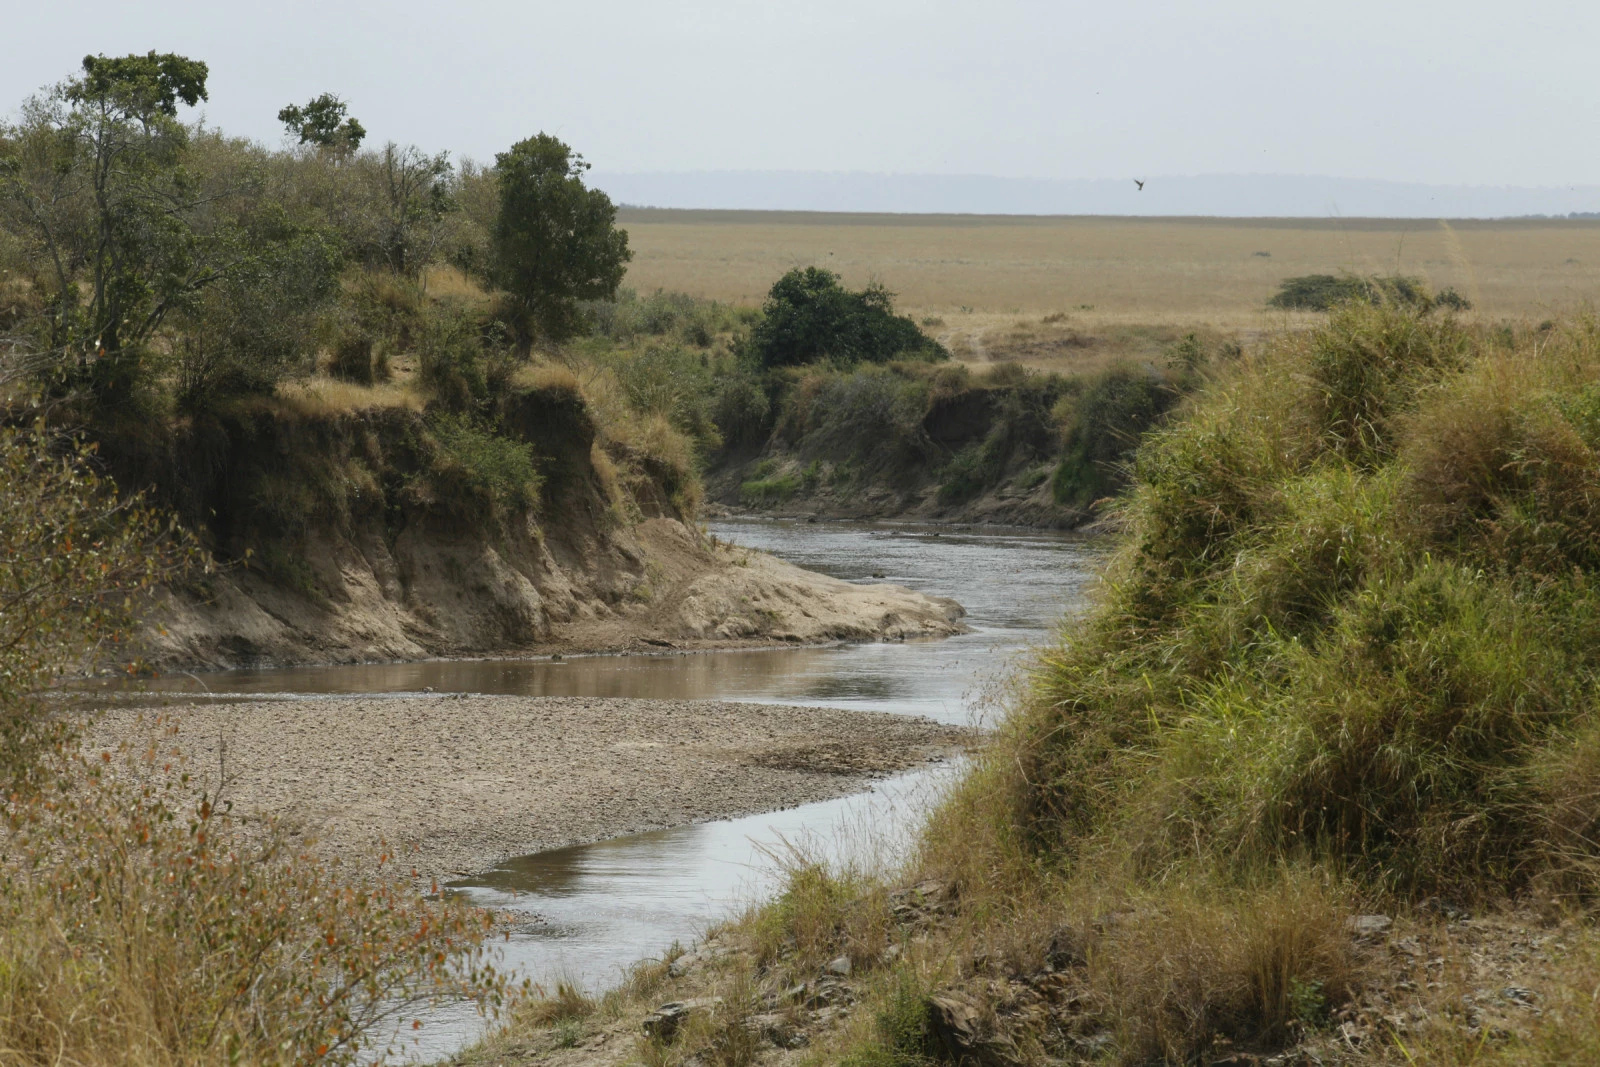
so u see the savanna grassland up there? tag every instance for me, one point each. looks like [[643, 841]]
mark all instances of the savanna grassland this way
[[1124, 287]]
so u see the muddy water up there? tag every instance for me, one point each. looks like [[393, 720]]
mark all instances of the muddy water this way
[[585, 913]]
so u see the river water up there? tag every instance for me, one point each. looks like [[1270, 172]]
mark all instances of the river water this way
[[600, 907]]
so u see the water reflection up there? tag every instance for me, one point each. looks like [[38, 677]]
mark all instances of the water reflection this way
[[1013, 584]]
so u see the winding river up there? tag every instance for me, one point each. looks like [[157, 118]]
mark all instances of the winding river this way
[[591, 910]]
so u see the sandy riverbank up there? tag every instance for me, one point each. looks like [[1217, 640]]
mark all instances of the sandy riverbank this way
[[663, 585], [468, 781]]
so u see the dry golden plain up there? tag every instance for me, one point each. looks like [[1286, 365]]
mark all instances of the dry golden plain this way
[[1121, 285]]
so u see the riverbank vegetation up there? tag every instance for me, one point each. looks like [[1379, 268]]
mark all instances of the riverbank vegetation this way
[[1343, 662], [141, 920], [1312, 782]]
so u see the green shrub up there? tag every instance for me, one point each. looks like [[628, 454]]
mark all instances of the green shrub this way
[[964, 477], [741, 408], [353, 359], [1323, 292], [900, 1031], [463, 361], [480, 472], [871, 414], [765, 492], [675, 383], [1103, 422], [810, 317]]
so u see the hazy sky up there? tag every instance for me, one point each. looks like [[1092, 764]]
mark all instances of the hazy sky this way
[[1469, 91]]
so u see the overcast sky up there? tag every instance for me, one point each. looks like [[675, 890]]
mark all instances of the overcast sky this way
[[1465, 92]]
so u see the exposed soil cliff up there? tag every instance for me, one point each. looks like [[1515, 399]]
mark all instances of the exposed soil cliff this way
[[374, 534]]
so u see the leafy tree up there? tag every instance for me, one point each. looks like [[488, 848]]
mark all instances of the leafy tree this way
[[257, 325], [414, 197], [324, 122], [555, 242], [93, 176], [809, 316], [129, 220]]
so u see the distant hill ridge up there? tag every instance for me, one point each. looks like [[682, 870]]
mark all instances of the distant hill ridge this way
[[1231, 195]]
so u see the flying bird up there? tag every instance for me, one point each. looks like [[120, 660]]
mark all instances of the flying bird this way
[[1139, 183]]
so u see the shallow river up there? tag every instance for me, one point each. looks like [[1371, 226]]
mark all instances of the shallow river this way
[[600, 907]]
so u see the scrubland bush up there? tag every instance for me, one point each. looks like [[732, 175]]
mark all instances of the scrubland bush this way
[[1103, 419], [478, 471], [1323, 292], [73, 559], [141, 923], [871, 413], [809, 317], [690, 320]]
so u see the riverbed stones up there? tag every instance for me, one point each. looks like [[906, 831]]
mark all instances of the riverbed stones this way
[[578, 768]]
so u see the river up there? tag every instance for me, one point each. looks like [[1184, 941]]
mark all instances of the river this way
[[602, 906]]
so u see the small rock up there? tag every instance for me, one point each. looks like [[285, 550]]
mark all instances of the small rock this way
[[1518, 995], [829, 991], [1369, 926], [776, 1029], [683, 964], [840, 967], [955, 1021], [921, 900], [664, 1022]]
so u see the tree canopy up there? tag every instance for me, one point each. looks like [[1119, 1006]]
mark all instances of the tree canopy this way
[[555, 242], [324, 121], [810, 316]]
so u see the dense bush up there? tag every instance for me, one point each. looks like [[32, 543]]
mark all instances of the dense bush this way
[[873, 414], [1323, 292], [477, 471], [688, 319], [809, 316]]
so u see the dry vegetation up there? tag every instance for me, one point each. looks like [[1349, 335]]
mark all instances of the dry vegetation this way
[[1122, 287]]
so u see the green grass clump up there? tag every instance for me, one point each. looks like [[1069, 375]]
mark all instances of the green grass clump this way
[[765, 492], [479, 471], [1355, 620]]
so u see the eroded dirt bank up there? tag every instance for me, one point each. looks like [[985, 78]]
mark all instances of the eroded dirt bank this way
[[430, 593], [468, 781]]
